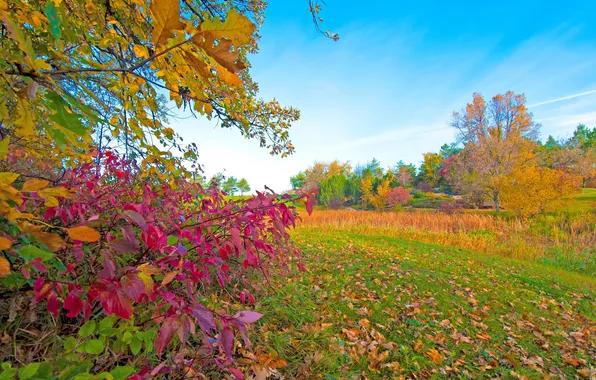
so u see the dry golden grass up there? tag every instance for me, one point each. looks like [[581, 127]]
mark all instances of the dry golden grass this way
[[429, 221], [560, 240]]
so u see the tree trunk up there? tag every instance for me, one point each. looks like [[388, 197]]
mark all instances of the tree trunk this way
[[497, 201]]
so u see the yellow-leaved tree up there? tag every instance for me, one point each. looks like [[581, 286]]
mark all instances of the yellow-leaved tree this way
[[531, 190], [82, 76]]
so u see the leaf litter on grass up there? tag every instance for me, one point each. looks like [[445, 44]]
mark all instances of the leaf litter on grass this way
[[371, 307]]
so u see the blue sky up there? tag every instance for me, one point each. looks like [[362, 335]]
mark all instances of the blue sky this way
[[388, 87]]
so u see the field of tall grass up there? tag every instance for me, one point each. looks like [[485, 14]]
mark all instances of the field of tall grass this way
[[564, 238]]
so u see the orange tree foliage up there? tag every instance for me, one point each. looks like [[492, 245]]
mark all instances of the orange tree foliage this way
[[108, 262]]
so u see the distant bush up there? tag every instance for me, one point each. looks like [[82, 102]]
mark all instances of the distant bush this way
[[424, 187], [451, 207]]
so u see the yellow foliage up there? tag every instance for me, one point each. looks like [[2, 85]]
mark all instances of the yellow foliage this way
[[531, 190]]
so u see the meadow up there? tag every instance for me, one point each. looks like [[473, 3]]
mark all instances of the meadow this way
[[431, 295]]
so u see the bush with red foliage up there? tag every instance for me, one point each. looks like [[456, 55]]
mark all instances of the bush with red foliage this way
[[145, 257], [398, 196]]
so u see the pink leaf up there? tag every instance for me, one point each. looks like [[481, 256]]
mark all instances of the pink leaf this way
[[136, 217], [237, 373], [123, 246], [109, 268], [248, 316], [236, 239], [204, 317], [226, 338]]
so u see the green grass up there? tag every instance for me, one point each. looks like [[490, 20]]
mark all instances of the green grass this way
[[380, 307]]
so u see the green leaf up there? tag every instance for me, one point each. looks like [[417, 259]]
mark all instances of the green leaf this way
[[127, 337], [122, 372], [4, 147], [45, 371], [110, 331], [8, 373], [135, 345], [87, 329], [51, 13], [106, 323], [63, 116], [172, 240], [70, 343], [94, 346], [30, 252], [28, 371], [85, 109]]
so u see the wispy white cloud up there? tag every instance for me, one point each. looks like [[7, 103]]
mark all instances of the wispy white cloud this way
[[563, 98]]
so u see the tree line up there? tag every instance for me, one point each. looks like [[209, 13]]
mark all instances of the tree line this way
[[496, 160]]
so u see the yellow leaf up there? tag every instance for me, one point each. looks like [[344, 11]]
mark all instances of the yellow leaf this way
[[83, 233], [9, 192], [147, 281], [4, 267], [56, 192], [235, 27], [4, 243], [141, 51], [148, 269], [35, 184], [7, 178], [166, 18], [4, 147], [228, 77], [25, 121], [17, 35]]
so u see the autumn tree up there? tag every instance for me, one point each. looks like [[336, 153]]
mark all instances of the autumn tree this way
[[367, 190], [398, 196], [498, 138], [532, 190], [429, 169], [379, 200]]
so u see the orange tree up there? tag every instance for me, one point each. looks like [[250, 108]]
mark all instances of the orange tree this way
[[108, 259]]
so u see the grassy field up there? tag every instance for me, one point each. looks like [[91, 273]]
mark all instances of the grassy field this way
[[373, 306], [431, 295]]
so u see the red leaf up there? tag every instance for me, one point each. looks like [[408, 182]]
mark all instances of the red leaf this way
[[226, 338], [236, 239], [120, 174], [53, 304], [248, 316], [73, 304], [166, 333], [133, 286], [113, 300], [118, 304], [308, 205]]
